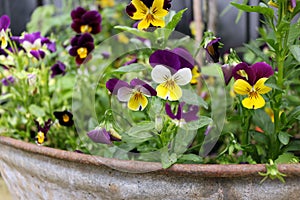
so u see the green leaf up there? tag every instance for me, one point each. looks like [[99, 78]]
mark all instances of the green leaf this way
[[260, 137], [284, 138], [263, 121], [286, 158], [190, 159], [292, 116], [258, 9], [36, 111], [294, 33], [141, 130], [295, 50], [167, 160], [271, 82], [195, 125], [190, 97], [257, 52], [293, 146], [135, 67], [137, 32], [175, 20]]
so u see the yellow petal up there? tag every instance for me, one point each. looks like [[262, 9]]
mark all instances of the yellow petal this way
[[242, 87], [158, 22], [3, 43], [137, 102], [170, 92], [141, 10], [254, 101], [157, 8], [144, 24], [260, 86]]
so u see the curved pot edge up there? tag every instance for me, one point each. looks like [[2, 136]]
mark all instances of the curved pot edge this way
[[203, 170]]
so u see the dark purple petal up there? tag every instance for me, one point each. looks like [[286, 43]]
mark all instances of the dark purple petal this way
[[44, 128], [2, 52], [186, 59], [91, 17], [31, 37], [114, 84], [73, 51], [51, 46], [169, 111], [4, 22], [89, 45], [74, 40], [262, 70], [167, 4], [191, 114], [38, 54], [166, 58], [100, 135], [57, 69], [85, 38], [148, 3], [130, 9], [212, 50], [136, 82], [227, 73], [77, 13], [243, 71], [65, 118], [8, 81]]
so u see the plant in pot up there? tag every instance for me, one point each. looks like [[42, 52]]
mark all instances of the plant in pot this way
[[144, 118]]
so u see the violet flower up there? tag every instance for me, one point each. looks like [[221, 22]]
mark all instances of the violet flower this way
[[57, 69], [134, 94], [65, 118], [175, 59], [101, 135], [8, 80], [36, 45], [86, 21], [212, 50], [4, 24], [82, 45]]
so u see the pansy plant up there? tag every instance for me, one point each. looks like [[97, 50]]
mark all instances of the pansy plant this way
[[250, 81]]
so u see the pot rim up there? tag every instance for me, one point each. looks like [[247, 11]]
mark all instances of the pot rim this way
[[203, 170]]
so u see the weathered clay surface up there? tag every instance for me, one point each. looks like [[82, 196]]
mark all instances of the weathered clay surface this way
[[33, 172]]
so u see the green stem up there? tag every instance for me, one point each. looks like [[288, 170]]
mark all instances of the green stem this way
[[246, 126]]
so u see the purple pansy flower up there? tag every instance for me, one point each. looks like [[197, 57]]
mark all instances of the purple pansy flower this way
[[86, 21], [8, 80], [36, 45], [57, 69], [293, 4], [227, 73], [42, 131], [175, 59], [212, 50], [190, 115], [101, 135], [135, 93], [4, 24], [82, 45]]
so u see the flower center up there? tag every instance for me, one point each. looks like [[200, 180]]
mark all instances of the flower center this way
[[85, 29], [65, 118], [82, 52], [40, 137]]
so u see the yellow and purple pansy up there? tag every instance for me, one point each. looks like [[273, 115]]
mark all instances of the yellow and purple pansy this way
[[250, 81], [82, 45], [36, 45], [149, 12], [135, 93], [101, 135], [65, 118], [42, 131], [86, 21], [4, 24], [168, 87]]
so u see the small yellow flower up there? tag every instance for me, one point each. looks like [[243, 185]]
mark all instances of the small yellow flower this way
[[195, 75], [153, 15], [254, 99]]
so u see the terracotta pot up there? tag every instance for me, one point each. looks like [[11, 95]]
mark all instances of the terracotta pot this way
[[36, 172]]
